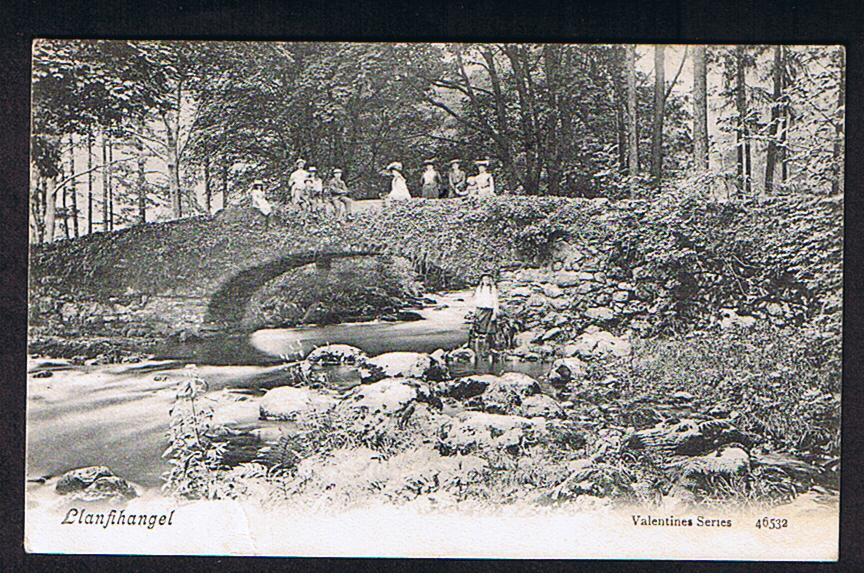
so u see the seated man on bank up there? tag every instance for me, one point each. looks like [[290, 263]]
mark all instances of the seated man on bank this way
[[338, 192], [317, 199]]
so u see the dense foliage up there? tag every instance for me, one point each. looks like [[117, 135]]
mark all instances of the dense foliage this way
[[185, 127]]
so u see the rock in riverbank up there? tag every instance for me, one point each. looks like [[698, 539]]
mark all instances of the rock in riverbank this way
[[402, 365], [290, 403], [94, 483]]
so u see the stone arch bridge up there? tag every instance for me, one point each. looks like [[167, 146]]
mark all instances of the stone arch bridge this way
[[200, 272]]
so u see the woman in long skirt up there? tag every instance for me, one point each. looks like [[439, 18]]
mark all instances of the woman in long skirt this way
[[398, 186], [486, 310], [430, 180]]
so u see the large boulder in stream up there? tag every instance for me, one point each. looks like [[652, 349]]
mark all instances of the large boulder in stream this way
[[505, 393], [335, 354], [467, 386], [290, 404], [402, 365], [566, 370], [94, 483]]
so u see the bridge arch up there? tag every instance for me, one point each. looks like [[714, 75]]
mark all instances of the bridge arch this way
[[227, 305]]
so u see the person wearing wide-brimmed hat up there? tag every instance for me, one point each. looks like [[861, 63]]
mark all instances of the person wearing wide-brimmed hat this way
[[297, 183], [456, 180], [430, 180], [298, 176], [316, 196], [398, 186], [338, 193], [484, 179], [259, 198]]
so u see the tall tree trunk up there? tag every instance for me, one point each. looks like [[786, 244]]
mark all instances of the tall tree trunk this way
[[110, 168], [74, 185], [659, 113], [37, 210], [776, 103], [105, 184], [783, 137], [700, 110], [620, 102], [50, 208], [64, 203], [224, 185], [632, 127], [207, 192], [176, 208], [142, 185], [839, 129], [90, 181], [743, 146]]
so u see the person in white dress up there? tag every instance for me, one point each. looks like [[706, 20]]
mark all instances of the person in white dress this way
[[398, 186], [259, 198], [486, 311], [297, 182], [485, 181]]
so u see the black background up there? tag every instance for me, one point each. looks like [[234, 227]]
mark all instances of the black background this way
[[693, 21]]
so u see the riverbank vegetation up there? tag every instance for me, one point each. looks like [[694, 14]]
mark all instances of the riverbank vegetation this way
[[716, 418]]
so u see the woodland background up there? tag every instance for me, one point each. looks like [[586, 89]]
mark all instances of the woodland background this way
[[138, 131]]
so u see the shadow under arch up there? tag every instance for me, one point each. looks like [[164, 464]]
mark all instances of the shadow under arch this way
[[227, 305]]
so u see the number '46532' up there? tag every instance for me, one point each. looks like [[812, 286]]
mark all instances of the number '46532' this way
[[772, 523]]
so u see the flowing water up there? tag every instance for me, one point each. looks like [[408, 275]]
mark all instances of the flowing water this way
[[117, 415]]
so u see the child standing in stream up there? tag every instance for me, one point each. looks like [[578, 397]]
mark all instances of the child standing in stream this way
[[486, 309]]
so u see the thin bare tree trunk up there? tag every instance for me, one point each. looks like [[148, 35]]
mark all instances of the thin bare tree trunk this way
[[776, 103], [224, 185], [632, 127], [142, 185], [783, 136], [743, 145], [50, 208], [700, 110], [63, 202], [207, 191], [659, 113], [74, 185], [90, 181], [110, 185], [105, 184]]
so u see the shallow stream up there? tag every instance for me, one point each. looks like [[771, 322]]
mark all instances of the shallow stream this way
[[118, 415]]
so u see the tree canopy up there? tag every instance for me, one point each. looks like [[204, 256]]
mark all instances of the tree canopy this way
[[183, 122]]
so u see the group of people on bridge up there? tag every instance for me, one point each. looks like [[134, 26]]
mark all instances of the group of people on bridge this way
[[432, 185], [307, 190]]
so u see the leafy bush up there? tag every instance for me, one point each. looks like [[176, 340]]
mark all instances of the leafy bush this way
[[195, 452]]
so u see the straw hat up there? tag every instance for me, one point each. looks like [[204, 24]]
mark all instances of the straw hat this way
[[394, 166], [481, 162], [299, 162], [455, 161], [429, 162]]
